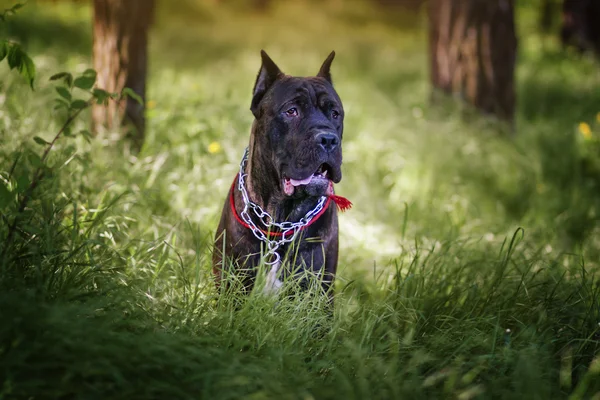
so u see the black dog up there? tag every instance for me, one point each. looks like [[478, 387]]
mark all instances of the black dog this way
[[283, 199]]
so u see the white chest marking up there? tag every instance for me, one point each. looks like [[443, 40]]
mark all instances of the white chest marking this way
[[272, 285]]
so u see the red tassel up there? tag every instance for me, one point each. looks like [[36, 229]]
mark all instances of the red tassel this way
[[342, 203]]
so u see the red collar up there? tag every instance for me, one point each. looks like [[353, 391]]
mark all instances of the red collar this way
[[268, 233]]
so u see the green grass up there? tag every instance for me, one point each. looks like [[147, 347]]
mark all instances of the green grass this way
[[468, 265]]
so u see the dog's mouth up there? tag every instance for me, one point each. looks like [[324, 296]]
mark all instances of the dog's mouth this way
[[318, 183]]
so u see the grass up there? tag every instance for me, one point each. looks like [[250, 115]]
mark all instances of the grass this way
[[468, 265]]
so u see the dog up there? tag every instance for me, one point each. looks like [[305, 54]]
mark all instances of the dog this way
[[281, 208]]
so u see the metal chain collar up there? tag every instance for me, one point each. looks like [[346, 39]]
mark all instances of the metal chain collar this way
[[289, 230]]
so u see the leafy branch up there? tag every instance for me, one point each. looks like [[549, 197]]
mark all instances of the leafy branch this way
[[74, 107], [10, 11], [17, 58]]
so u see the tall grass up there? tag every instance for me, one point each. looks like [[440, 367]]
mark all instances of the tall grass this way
[[468, 265]]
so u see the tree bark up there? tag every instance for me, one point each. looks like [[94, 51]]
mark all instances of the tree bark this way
[[473, 51], [120, 55], [547, 12]]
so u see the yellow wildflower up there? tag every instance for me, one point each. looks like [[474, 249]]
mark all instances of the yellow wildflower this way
[[150, 104], [541, 187], [585, 130], [214, 148]]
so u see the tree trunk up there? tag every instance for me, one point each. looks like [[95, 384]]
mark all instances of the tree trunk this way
[[472, 52], [121, 59], [547, 12]]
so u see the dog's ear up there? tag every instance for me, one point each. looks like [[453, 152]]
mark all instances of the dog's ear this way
[[267, 75], [324, 71]]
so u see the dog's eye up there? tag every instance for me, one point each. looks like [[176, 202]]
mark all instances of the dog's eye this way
[[292, 112], [335, 114]]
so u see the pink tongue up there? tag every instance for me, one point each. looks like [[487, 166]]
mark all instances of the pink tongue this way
[[302, 182], [289, 185]]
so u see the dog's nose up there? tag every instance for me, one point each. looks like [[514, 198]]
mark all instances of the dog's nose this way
[[327, 141]]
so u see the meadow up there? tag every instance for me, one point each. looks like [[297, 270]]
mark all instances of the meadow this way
[[468, 264]]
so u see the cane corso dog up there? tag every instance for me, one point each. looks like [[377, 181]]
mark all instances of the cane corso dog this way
[[281, 205]]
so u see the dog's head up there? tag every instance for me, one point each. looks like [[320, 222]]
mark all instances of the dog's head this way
[[297, 137]]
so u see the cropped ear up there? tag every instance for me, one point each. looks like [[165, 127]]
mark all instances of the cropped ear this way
[[324, 71], [267, 75]]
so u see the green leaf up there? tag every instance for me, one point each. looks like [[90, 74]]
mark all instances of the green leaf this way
[[5, 195], [10, 11], [14, 55], [130, 93], [58, 76], [67, 132], [63, 75], [87, 135], [60, 103], [79, 104], [16, 7], [19, 60], [84, 83], [41, 141], [22, 182], [90, 73], [64, 92], [27, 69], [3, 49], [87, 80], [35, 160], [101, 96]]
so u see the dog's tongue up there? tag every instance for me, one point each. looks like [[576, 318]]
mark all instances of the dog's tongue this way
[[302, 182], [289, 185]]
